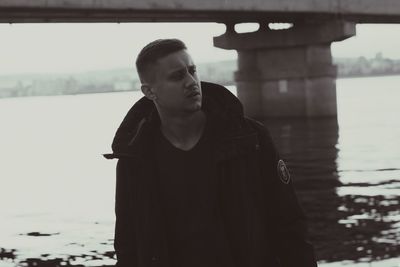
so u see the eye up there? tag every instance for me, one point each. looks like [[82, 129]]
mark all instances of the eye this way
[[176, 76], [192, 70]]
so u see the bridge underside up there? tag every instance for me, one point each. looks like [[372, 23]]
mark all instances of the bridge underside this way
[[43, 15], [38, 15], [233, 11]]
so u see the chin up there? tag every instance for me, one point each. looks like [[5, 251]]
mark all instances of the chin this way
[[198, 105], [194, 108]]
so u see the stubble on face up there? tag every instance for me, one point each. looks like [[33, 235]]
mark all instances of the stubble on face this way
[[176, 84]]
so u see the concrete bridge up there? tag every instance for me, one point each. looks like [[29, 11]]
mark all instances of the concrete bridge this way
[[281, 73]]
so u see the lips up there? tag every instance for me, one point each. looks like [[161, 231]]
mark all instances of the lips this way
[[193, 94]]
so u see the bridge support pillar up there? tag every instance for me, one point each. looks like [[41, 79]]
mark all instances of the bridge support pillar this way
[[287, 73]]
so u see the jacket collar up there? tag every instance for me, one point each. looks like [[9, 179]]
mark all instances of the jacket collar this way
[[134, 135]]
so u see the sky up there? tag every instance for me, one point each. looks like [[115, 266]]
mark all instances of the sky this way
[[70, 48]]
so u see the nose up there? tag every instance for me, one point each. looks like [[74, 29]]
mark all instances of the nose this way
[[190, 79]]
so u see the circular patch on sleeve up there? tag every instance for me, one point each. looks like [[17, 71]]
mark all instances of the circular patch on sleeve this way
[[283, 172]]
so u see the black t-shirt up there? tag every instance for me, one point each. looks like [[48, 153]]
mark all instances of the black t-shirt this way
[[188, 188]]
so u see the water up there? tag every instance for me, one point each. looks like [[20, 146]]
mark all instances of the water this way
[[57, 192]]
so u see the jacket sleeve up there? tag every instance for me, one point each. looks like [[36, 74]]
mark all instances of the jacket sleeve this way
[[124, 238], [289, 222]]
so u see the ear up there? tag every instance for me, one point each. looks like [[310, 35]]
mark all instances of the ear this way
[[148, 91]]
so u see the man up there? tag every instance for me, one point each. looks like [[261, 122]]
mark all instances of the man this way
[[198, 183]]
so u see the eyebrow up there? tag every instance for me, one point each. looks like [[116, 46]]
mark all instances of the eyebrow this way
[[182, 69]]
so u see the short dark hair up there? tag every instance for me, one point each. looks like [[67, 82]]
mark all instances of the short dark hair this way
[[154, 51]]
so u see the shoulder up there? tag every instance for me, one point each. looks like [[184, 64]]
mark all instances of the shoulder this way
[[260, 128], [267, 144], [255, 124]]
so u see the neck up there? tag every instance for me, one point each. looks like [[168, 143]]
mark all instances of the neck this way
[[183, 131]]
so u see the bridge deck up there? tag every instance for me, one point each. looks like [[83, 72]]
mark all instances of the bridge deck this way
[[359, 11]]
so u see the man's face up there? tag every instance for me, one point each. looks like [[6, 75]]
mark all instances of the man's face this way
[[175, 85]]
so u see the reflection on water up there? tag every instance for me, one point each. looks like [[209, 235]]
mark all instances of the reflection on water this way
[[343, 224]]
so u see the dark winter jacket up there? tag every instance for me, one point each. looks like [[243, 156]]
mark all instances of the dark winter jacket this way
[[262, 217]]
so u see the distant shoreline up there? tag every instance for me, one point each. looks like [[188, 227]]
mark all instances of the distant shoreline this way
[[126, 79], [225, 83], [367, 76]]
